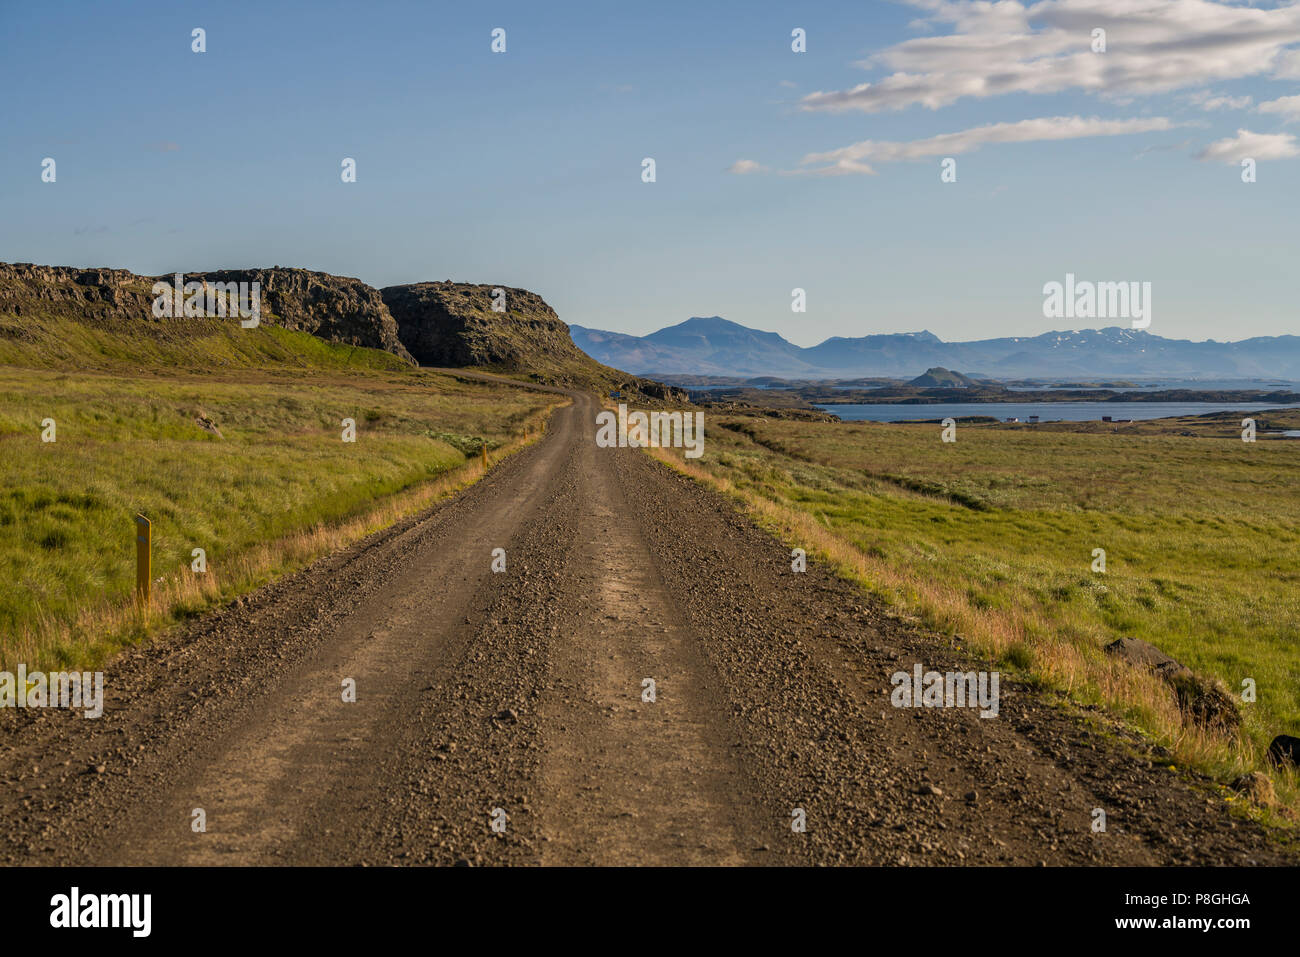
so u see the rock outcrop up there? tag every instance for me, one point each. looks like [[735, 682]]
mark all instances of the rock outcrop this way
[[67, 292], [1285, 750], [454, 324], [432, 323], [1205, 700], [335, 308]]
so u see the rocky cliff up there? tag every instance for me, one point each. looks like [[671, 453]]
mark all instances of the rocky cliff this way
[[454, 324], [335, 308], [432, 323]]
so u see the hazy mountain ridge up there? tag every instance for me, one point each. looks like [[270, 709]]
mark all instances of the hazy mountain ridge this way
[[716, 346]]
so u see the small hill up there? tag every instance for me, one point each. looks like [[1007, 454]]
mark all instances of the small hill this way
[[454, 324], [941, 378]]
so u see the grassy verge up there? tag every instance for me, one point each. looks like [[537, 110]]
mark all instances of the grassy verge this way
[[992, 537], [247, 463]]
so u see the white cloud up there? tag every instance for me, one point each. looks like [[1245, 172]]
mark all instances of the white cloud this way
[[996, 48], [1287, 106], [741, 167], [1248, 145], [858, 157], [1206, 101], [841, 167], [1288, 65]]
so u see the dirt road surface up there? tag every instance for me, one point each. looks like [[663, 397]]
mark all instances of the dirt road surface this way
[[519, 696]]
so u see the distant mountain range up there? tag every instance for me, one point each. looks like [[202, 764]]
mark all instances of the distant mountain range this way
[[718, 347]]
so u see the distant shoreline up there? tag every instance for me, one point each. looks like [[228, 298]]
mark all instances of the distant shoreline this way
[[1043, 413], [948, 396]]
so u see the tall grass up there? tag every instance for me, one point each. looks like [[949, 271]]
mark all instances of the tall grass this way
[[992, 538], [275, 489]]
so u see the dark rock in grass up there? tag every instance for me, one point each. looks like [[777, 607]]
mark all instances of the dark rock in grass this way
[[208, 424], [1285, 749], [1205, 700], [1256, 786], [1138, 652]]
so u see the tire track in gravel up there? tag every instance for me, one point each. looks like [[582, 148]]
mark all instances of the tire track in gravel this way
[[520, 693], [626, 779]]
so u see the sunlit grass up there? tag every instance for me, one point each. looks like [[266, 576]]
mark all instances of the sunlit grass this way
[[992, 537], [278, 487]]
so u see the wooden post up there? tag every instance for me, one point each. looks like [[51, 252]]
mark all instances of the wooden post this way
[[485, 455], [143, 561]]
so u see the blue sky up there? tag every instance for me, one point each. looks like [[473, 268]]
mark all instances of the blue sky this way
[[775, 169]]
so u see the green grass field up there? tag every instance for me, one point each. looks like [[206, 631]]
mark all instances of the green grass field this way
[[128, 440], [992, 537]]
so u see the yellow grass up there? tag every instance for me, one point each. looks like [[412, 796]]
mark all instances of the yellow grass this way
[[103, 627], [1012, 636]]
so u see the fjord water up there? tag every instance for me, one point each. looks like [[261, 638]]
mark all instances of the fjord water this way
[[1046, 411]]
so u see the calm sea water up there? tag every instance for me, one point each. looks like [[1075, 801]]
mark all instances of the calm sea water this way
[[1046, 411]]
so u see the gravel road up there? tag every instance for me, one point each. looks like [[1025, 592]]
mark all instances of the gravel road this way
[[520, 697]]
